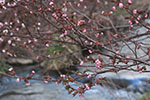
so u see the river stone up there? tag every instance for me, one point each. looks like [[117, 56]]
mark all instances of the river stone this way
[[20, 61]]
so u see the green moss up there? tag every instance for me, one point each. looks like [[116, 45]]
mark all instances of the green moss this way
[[53, 49], [145, 97], [4, 66], [120, 11]]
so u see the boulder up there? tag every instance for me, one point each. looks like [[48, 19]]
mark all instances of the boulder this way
[[20, 61]]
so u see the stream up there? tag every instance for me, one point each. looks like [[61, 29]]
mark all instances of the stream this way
[[38, 90]]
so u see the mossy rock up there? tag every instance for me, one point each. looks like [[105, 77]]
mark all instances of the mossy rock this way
[[145, 97], [62, 58], [120, 11], [4, 66]]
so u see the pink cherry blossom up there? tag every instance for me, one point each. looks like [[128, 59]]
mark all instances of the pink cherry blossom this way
[[2, 2], [98, 63]]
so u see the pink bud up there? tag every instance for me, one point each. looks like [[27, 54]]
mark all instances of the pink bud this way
[[90, 51], [130, 1], [147, 30], [84, 30], [78, 4], [102, 12], [80, 95], [62, 76], [4, 51], [89, 76], [62, 35], [18, 80], [121, 5], [85, 7], [1, 40], [146, 15], [56, 83], [136, 21], [1, 24], [130, 22], [51, 3], [81, 0], [117, 52], [98, 55], [23, 25], [33, 72], [139, 17], [113, 8], [134, 11], [10, 69], [27, 84], [98, 1], [140, 71], [66, 32], [31, 12], [91, 43], [128, 57], [116, 35], [9, 42], [81, 63], [47, 45], [78, 88], [46, 81], [87, 87], [86, 41]]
